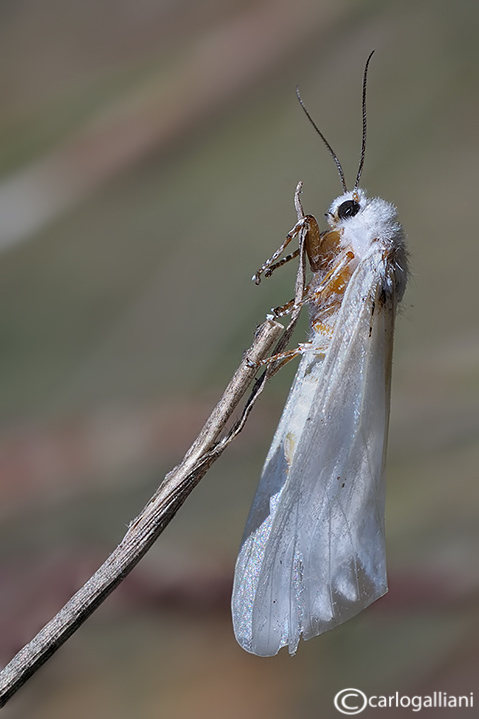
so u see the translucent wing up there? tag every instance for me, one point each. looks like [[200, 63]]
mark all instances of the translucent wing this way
[[313, 551]]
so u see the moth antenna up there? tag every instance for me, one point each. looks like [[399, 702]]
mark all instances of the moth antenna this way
[[331, 151], [363, 142]]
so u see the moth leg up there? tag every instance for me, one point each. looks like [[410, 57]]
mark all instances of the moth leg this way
[[285, 357], [281, 262], [331, 288], [270, 265], [336, 280], [333, 284], [282, 358], [288, 306]]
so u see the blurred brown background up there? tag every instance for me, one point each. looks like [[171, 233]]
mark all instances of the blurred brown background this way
[[149, 152]]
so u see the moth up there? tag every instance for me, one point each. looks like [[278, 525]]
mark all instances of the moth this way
[[313, 550]]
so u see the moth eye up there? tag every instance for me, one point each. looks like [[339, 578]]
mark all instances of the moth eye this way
[[348, 209]]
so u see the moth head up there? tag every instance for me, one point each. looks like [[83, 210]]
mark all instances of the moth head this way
[[345, 207]]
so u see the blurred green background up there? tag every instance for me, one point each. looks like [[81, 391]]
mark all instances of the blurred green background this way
[[149, 152]]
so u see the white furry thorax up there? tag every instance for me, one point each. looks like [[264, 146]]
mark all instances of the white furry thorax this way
[[375, 221]]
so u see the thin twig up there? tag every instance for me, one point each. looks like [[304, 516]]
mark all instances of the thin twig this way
[[175, 488], [149, 524]]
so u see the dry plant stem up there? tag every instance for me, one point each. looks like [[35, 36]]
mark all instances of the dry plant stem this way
[[149, 524]]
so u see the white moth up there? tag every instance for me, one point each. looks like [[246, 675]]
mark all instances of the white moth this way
[[313, 550]]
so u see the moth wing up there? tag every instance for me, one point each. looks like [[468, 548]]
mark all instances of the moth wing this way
[[313, 551]]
